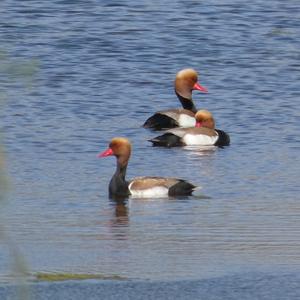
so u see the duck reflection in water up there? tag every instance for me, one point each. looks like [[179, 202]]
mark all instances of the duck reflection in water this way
[[120, 219]]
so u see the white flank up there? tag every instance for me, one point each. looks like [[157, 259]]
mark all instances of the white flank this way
[[155, 192], [199, 139], [186, 121]]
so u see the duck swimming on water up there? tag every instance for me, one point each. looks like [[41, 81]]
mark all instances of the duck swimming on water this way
[[203, 134], [185, 82], [142, 187]]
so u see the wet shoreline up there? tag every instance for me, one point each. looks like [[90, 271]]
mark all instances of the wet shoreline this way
[[241, 286]]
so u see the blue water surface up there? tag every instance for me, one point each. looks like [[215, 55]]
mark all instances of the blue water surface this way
[[75, 74]]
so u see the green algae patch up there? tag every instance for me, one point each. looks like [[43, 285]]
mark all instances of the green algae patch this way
[[74, 276]]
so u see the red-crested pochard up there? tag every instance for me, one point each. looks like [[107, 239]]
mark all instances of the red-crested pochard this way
[[204, 134], [185, 82], [142, 187]]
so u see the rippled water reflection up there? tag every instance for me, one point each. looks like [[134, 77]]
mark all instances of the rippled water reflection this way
[[76, 74]]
